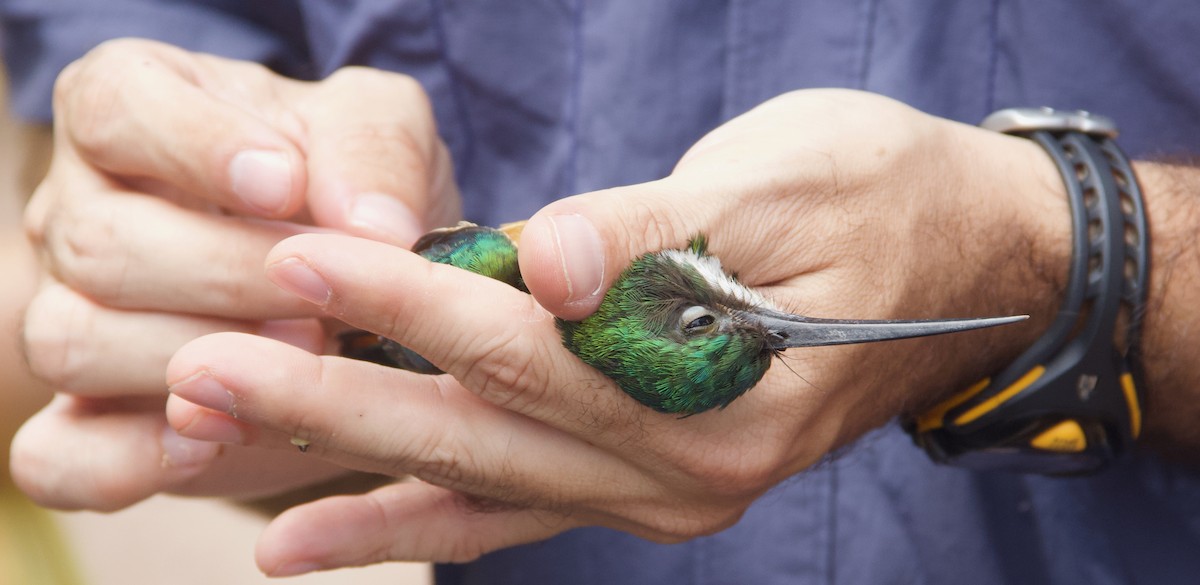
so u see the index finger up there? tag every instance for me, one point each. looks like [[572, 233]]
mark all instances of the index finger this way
[[492, 337], [141, 110]]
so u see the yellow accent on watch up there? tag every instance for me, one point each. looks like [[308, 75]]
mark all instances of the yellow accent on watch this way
[[1135, 409], [987, 405], [1064, 437], [932, 419]]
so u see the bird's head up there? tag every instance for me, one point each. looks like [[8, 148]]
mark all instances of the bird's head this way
[[679, 334]]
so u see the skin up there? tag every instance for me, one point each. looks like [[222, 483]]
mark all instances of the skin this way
[[140, 261], [833, 203], [24, 153]]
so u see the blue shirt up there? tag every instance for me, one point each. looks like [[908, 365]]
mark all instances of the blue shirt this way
[[539, 99]]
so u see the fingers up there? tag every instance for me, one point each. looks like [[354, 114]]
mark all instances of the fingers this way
[[381, 420], [72, 455], [87, 349], [134, 252], [362, 146], [377, 166], [491, 337], [402, 522], [424, 425], [243, 473], [104, 455], [119, 106]]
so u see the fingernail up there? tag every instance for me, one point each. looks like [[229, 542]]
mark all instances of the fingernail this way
[[179, 451], [202, 389], [262, 178], [296, 568], [385, 216], [296, 277], [580, 255]]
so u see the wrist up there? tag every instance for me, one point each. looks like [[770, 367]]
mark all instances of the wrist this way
[[1013, 258], [1070, 403]]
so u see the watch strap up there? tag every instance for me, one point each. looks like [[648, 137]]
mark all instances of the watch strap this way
[[1072, 402]]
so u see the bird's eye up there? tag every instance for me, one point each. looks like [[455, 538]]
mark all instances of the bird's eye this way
[[697, 319]]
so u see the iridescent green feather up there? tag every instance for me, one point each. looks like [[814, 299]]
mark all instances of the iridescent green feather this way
[[633, 339], [485, 251]]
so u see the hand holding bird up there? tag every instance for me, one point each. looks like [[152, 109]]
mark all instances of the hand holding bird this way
[[675, 331], [826, 203]]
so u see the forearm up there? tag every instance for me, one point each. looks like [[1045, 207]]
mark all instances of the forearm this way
[[1171, 326]]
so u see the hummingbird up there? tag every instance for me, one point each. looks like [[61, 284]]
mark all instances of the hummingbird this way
[[485, 251], [675, 331]]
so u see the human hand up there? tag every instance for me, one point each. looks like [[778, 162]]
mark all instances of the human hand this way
[[832, 203], [173, 174]]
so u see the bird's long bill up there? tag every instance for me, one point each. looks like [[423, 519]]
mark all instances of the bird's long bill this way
[[797, 331]]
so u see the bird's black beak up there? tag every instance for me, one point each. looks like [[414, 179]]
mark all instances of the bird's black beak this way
[[785, 330]]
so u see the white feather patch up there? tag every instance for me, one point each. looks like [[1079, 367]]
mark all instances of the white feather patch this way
[[710, 269]]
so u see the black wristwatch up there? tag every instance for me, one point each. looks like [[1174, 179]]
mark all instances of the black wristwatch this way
[[1072, 403]]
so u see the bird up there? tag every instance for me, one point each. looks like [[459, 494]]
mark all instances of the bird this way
[[490, 252], [675, 331]]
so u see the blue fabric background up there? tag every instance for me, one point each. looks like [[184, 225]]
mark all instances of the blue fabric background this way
[[543, 98]]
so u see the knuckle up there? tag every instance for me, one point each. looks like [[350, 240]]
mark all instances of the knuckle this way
[[503, 370], [392, 147], [395, 110], [651, 225], [360, 78], [57, 325], [385, 91], [120, 50], [352, 76], [431, 456], [440, 457], [38, 212], [83, 248], [466, 547], [89, 93], [498, 375], [441, 464], [66, 84], [234, 283]]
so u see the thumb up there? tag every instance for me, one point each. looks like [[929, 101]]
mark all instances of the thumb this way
[[573, 249]]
